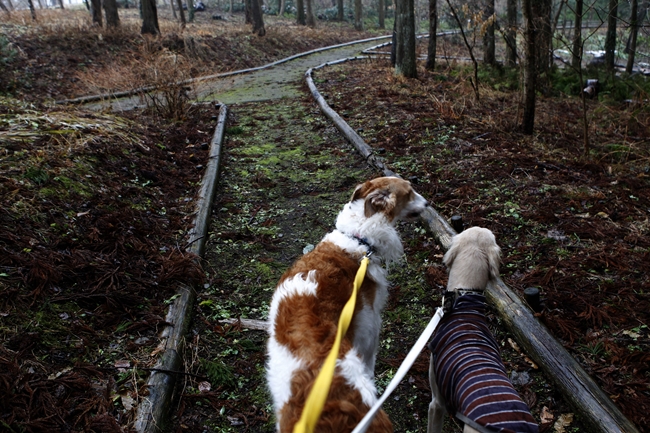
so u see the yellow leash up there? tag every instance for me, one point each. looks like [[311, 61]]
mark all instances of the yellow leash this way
[[316, 399]]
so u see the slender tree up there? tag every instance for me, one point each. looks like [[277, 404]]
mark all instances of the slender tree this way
[[300, 12], [31, 9], [4, 8], [311, 22], [381, 9], [576, 58], [96, 12], [61, 4], [542, 9], [171, 5], [489, 46], [634, 30], [530, 69], [112, 17], [433, 29], [339, 10], [258, 21], [405, 59], [610, 38], [358, 15], [511, 33], [149, 17], [248, 12], [190, 11], [181, 12]]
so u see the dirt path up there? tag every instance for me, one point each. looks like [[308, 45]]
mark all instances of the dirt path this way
[[276, 82], [286, 173]]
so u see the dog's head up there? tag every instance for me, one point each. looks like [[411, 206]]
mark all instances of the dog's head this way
[[472, 259], [392, 196]]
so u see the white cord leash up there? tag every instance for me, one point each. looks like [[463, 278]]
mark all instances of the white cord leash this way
[[401, 371]]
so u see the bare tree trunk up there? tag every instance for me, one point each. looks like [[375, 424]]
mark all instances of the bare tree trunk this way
[[311, 22], [149, 17], [40, 4], [4, 8], [300, 12], [576, 51], [31, 9], [433, 29], [190, 11], [610, 38], [489, 47], [232, 7], [634, 30], [181, 12], [256, 15], [112, 17], [530, 69], [96, 12], [248, 14], [61, 4], [171, 5], [405, 60], [557, 15], [511, 33], [380, 13], [11, 5], [542, 10], [340, 10], [358, 11]]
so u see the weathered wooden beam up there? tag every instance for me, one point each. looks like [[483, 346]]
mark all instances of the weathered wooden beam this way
[[154, 409]]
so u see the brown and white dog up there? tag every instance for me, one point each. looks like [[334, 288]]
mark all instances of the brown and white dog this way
[[466, 374], [305, 309]]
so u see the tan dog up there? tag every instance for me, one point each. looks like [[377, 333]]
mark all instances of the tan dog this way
[[466, 373]]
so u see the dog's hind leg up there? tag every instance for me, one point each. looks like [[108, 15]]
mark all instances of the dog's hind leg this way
[[436, 407]]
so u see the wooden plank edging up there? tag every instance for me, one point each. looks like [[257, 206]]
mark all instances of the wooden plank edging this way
[[595, 407], [154, 409]]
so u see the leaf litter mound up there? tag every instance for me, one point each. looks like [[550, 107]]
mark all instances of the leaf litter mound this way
[[92, 222]]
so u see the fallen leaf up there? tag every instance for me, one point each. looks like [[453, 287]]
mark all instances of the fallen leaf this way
[[546, 416], [514, 345], [122, 365], [563, 421], [631, 334], [205, 386], [128, 402], [531, 362]]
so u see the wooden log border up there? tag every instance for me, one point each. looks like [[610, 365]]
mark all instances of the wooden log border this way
[[596, 408], [154, 409]]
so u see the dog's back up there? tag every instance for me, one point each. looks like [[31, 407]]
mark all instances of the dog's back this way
[[470, 372]]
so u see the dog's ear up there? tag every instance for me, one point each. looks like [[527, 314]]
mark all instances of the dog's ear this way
[[494, 261], [359, 191], [450, 255], [380, 200]]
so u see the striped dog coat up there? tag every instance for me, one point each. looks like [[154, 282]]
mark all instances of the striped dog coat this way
[[470, 373]]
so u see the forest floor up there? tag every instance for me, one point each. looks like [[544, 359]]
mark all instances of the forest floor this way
[[95, 209]]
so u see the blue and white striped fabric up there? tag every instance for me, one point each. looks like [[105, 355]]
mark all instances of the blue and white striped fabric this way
[[470, 373]]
